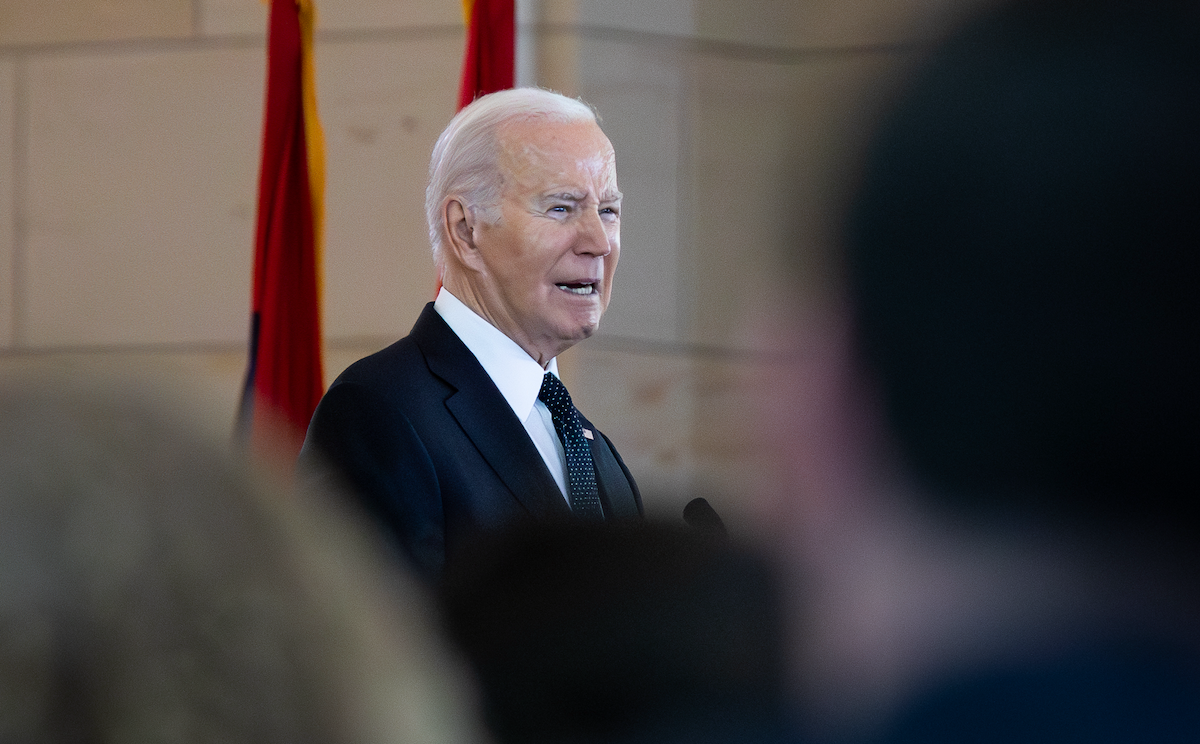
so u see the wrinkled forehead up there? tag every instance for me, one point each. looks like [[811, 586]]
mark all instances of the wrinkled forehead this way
[[539, 154]]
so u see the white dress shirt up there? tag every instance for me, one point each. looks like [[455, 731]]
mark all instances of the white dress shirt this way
[[516, 374]]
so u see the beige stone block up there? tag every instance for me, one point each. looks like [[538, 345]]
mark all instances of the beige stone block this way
[[830, 24], [55, 21], [7, 206], [755, 26], [685, 420], [142, 172], [219, 17], [775, 150], [668, 17], [347, 14], [642, 400], [383, 105], [639, 94], [226, 17], [734, 468], [556, 54]]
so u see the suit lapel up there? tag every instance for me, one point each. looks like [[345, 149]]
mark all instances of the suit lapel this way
[[487, 419], [616, 494]]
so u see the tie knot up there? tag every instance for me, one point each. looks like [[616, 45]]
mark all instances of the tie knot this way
[[554, 394]]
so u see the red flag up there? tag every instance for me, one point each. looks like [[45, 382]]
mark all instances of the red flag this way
[[284, 378], [491, 41]]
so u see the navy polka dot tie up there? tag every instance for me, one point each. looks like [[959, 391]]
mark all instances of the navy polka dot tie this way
[[581, 473]]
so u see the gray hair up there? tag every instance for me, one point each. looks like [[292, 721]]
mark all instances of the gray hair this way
[[464, 158]]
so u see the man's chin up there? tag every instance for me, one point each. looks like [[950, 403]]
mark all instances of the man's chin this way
[[576, 334], [581, 333]]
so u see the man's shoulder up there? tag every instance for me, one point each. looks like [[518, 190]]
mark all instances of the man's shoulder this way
[[400, 358], [431, 354]]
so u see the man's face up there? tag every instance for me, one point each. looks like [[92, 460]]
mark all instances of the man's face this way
[[548, 262]]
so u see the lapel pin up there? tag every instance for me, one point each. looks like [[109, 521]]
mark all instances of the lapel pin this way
[[587, 433]]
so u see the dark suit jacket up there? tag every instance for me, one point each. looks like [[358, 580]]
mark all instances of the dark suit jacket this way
[[420, 433]]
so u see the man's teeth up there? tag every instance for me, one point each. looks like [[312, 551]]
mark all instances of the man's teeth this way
[[579, 289]]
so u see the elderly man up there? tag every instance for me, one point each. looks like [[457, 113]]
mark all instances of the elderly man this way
[[463, 425]]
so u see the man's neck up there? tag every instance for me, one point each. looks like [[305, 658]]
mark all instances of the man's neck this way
[[466, 294]]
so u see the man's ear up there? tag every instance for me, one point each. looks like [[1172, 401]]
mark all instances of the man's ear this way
[[459, 223]]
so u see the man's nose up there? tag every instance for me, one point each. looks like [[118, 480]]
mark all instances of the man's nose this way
[[593, 238]]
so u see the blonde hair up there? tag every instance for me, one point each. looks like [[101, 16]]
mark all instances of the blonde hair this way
[[154, 588]]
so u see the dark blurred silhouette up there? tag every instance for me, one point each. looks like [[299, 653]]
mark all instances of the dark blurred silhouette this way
[[698, 513], [153, 589], [1015, 556], [1024, 254], [620, 633]]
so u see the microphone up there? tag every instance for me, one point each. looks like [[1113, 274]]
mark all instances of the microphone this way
[[700, 515]]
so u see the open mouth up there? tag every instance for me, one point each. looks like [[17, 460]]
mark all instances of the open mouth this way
[[579, 288]]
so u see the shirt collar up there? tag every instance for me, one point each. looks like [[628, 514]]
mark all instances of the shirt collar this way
[[517, 375]]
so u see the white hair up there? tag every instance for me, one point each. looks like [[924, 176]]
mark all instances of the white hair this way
[[464, 158]]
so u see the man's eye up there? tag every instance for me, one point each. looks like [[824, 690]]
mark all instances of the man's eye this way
[[610, 211], [560, 208]]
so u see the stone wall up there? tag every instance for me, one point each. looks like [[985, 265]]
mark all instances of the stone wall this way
[[129, 136]]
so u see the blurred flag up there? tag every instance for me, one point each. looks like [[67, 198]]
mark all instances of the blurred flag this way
[[284, 379], [491, 40]]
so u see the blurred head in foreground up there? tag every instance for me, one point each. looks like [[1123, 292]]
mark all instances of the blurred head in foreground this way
[[1022, 264], [1024, 258], [631, 633], [152, 590]]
